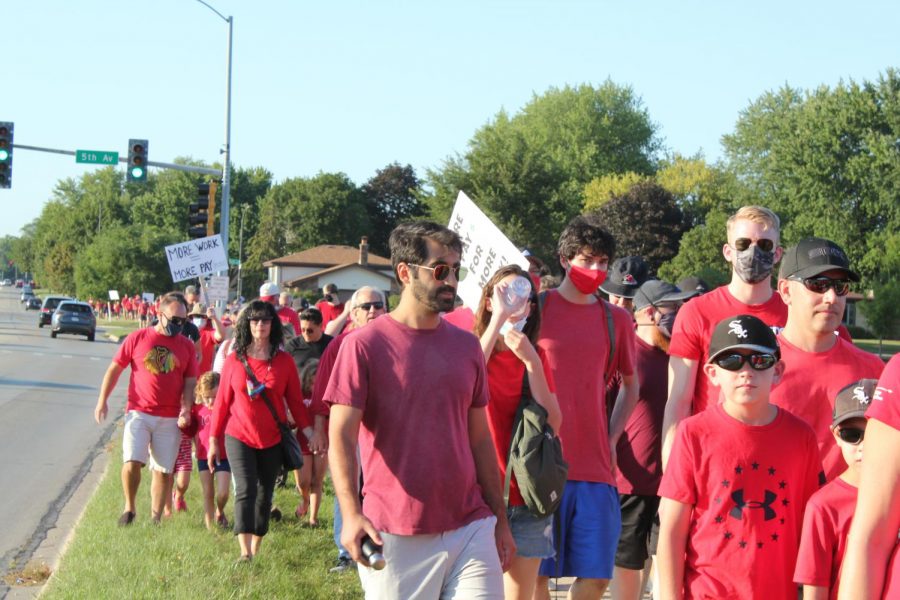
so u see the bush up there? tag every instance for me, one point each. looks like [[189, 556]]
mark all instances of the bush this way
[[857, 332]]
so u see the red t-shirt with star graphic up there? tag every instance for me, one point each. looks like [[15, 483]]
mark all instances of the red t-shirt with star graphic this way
[[748, 485], [159, 365]]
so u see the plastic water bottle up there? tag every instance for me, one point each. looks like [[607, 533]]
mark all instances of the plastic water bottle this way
[[372, 552], [517, 293]]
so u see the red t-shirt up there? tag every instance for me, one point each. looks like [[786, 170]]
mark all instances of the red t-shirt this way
[[462, 317], [159, 365], [747, 486], [328, 311], [202, 416], [415, 388], [826, 524], [694, 326], [207, 348], [289, 316], [576, 341], [886, 408], [505, 372], [250, 420], [811, 382], [638, 454]]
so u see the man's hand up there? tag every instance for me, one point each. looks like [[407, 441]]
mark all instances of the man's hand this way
[[352, 531], [100, 412], [184, 418], [318, 443], [506, 545]]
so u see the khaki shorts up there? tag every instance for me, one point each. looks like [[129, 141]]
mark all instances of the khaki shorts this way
[[148, 437]]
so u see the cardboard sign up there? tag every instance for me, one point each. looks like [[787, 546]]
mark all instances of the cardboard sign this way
[[148, 297], [113, 294], [196, 258], [215, 289], [485, 249]]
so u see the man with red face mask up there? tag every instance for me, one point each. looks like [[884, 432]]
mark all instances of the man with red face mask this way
[[576, 338]]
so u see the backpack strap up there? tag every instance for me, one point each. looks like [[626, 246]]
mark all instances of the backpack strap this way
[[610, 330], [517, 423]]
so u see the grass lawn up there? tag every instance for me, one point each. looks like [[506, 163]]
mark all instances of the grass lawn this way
[[181, 559], [888, 347], [118, 327]]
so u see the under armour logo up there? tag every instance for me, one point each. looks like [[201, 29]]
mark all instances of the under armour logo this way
[[859, 394], [737, 329], [740, 504]]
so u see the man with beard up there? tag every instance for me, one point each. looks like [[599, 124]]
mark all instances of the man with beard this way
[[411, 391], [638, 452], [752, 250]]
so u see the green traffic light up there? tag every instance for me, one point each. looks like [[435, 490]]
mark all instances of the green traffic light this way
[[137, 172], [4, 154]]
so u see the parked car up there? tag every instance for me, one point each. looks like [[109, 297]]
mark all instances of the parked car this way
[[49, 305], [5, 282], [27, 293], [75, 317], [33, 303]]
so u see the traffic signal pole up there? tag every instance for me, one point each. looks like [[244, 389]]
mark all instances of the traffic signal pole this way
[[124, 159]]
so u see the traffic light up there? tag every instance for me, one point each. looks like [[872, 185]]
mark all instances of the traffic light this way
[[6, 149], [201, 216], [137, 160]]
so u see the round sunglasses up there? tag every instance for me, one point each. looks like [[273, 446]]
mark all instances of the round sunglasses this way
[[758, 361], [442, 272], [851, 435]]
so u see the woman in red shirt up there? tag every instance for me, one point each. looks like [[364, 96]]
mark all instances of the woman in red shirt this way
[[252, 436], [508, 323]]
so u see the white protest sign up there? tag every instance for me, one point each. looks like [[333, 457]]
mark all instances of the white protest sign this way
[[196, 258], [485, 249], [113, 294], [148, 297], [216, 289]]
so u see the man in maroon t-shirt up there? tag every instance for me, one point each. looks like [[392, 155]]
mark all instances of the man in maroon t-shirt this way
[[638, 452], [411, 391], [160, 396]]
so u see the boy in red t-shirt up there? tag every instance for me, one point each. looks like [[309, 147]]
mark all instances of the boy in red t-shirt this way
[[829, 512], [737, 480]]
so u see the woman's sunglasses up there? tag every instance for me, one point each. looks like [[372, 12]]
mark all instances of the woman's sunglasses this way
[[764, 244], [820, 285], [758, 361], [851, 435], [442, 272]]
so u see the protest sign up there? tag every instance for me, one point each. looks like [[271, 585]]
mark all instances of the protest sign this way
[[215, 289], [485, 248], [196, 258], [113, 294], [148, 297]]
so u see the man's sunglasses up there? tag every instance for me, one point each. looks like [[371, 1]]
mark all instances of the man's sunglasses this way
[[820, 285], [764, 244], [758, 361], [442, 272], [851, 435], [176, 320], [369, 305]]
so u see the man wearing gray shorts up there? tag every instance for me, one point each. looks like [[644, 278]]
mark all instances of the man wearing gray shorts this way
[[160, 395]]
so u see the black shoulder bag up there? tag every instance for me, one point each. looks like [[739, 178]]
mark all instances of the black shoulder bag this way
[[291, 455]]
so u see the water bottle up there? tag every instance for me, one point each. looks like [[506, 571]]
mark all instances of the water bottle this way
[[372, 552], [517, 293]]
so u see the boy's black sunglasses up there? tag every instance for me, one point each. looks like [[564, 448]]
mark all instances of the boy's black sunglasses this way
[[851, 435], [758, 361]]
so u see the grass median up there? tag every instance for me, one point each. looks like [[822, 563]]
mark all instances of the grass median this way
[[182, 559]]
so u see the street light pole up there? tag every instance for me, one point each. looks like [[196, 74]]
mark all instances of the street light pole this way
[[241, 254]]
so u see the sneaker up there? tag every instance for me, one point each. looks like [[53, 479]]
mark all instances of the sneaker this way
[[343, 563], [127, 518], [275, 515]]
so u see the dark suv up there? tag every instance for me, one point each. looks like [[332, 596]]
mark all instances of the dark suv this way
[[74, 317], [47, 308]]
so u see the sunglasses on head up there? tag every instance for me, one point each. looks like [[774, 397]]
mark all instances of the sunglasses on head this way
[[369, 305], [851, 435], [821, 284], [764, 244], [758, 361], [442, 272]]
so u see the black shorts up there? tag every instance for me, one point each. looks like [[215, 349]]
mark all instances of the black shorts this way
[[640, 530]]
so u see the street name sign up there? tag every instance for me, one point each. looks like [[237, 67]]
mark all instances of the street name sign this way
[[96, 157]]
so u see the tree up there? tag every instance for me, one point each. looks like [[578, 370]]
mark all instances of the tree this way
[[700, 253], [646, 222], [391, 197], [882, 311], [528, 172]]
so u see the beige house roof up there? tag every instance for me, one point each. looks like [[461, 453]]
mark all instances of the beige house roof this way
[[328, 255], [315, 275]]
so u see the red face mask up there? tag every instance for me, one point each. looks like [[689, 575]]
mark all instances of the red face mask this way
[[586, 281]]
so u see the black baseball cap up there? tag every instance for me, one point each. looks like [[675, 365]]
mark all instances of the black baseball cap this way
[[693, 283], [813, 256], [742, 332], [656, 291], [625, 276], [853, 401]]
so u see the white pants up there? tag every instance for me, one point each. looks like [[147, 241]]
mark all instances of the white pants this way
[[459, 564]]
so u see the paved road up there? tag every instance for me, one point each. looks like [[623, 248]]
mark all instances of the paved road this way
[[48, 437]]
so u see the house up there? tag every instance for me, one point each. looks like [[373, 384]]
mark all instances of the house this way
[[347, 267]]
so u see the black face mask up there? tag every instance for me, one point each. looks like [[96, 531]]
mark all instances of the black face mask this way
[[754, 265], [666, 323], [172, 329]]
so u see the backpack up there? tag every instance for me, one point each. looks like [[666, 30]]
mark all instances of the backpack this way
[[536, 458]]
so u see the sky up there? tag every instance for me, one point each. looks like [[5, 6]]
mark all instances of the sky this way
[[354, 86]]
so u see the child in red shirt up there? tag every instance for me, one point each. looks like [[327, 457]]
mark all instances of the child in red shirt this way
[[216, 487], [737, 480], [829, 513], [311, 476]]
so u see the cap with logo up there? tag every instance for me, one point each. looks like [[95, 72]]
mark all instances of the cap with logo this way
[[625, 276], [268, 291], [853, 401], [813, 256], [656, 291], [742, 332]]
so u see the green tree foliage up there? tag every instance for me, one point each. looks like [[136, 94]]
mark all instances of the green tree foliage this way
[[601, 190], [646, 222], [528, 171], [883, 310], [700, 253], [391, 197], [828, 162]]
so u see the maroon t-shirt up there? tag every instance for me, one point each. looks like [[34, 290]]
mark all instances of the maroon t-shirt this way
[[415, 388], [639, 450]]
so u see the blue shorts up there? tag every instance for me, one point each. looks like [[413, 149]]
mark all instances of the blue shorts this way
[[587, 525], [222, 465], [533, 535]]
